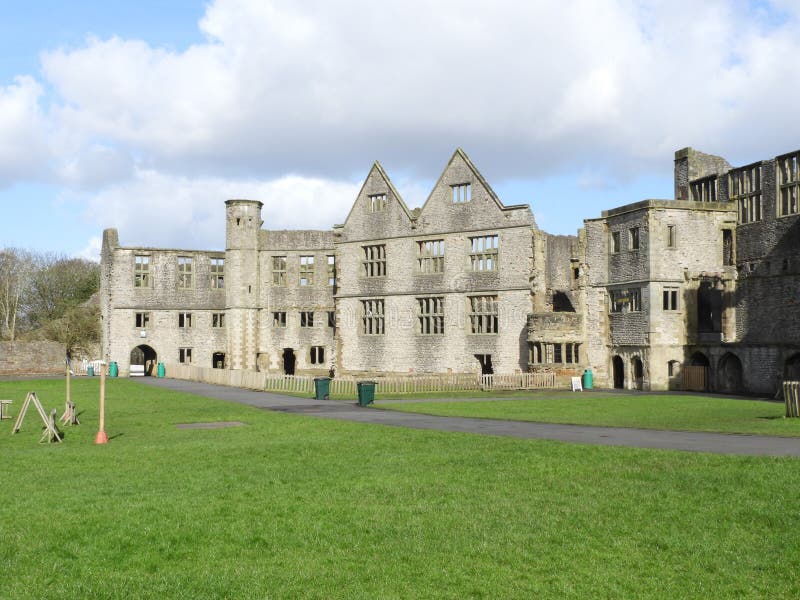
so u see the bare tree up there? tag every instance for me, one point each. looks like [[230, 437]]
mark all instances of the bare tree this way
[[16, 268]]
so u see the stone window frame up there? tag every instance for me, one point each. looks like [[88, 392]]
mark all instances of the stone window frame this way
[[141, 320], [218, 320], [430, 315], [279, 263], [185, 272], [705, 189], [373, 261], [306, 318], [141, 271], [621, 298], [672, 236], [307, 270], [787, 178], [331, 319], [185, 356], [634, 238], [616, 242], [331, 259], [554, 353], [484, 314], [430, 256], [461, 193], [670, 298], [279, 318], [377, 202], [744, 188], [316, 355], [484, 253], [216, 270], [373, 316], [184, 320]]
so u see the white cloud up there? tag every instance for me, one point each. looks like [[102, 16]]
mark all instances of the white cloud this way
[[92, 250], [23, 137], [155, 209]]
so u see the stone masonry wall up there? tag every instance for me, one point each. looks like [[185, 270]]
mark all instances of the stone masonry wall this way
[[32, 358]]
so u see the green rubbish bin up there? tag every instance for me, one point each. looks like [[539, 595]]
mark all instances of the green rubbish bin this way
[[90, 371], [588, 379], [162, 371], [366, 392], [113, 369], [322, 388]]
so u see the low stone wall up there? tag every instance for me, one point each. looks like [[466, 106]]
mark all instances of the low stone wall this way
[[32, 358]]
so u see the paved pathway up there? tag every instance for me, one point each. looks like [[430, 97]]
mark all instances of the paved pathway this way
[[719, 443]]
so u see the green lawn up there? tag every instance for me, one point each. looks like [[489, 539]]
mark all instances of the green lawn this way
[[680, 412], [293, 506]]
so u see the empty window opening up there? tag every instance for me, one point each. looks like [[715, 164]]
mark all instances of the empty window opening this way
[[615, 242], [317, 355], [485, 360], [483, 314], [709, 308], [671, 236], [376, 202], [373, 263], [141, 271], [788, 184], [626, 300], [430, 256], [744, 188], [331, 319], [185, 320], [728, 254], [142, 320], [217, 270], [331, 270], [185, 268], [462, 192], [633, 238], [218, 320], [306, 270], [279, 318], [279, 271], [372, 317], [185, 355], [218, 360], [288, 361], [306, 318], [483, 253], [430, 316], [670, 299]]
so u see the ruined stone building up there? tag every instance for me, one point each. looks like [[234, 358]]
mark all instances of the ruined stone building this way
[[647, 295]]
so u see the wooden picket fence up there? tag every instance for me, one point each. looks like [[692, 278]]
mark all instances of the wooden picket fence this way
[[791, 395], [348, 386]]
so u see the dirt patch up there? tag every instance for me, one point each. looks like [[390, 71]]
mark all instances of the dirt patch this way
[[210, 425]]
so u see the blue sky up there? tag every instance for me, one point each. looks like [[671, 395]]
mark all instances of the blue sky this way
[[147, 115]]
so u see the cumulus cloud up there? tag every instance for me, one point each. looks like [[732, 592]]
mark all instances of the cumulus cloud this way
[[24, 150]]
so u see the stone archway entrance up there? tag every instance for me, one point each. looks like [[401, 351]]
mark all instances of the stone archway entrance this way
[[729, 374], [618, 371], [637, 368], [289, 361], [791, 369], [145, 357]]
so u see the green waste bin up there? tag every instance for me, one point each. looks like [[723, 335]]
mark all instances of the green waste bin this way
[[366, 392], [322, 388], [90, 371], [113, 369], [588, 379], [162, 371]]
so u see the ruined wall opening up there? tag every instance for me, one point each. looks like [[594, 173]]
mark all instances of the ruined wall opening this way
[[791, 370], [637, 367], [289, 361], [146, 357], [218, 360], [562, 303], [709, 308], [729, 374], [485, 361], [618, 368]]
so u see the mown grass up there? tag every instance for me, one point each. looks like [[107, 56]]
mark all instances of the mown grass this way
[[292, 506], [661, 411]]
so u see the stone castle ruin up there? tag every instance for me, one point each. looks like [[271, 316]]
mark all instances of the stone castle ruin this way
[[696, 292]]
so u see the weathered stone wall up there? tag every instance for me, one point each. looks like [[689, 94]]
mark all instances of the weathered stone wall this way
[[32, 358], [691, 164]]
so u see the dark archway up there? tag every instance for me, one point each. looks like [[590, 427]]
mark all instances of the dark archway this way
[[486, 363], [289, 361], [709, 308], [698, 359], [218, 360], [145, 356], [618, 370], [637, 367], [729, 374], [791, 369]]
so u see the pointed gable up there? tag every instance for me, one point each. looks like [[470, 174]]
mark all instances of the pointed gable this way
[[379, 211], [462, 200]]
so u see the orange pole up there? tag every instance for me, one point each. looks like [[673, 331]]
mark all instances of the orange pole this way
[[102, 436]]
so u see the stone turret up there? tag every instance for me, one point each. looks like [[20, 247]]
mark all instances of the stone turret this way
[[243, 224]]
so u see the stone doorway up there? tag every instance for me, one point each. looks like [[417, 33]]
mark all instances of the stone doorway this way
[[145, 357], [289, 361], [638, 373], [618, 372], [218, 360], [485, 361], [729, 374]]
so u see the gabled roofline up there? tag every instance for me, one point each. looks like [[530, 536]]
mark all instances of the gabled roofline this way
[[376, 166], [478, 176]]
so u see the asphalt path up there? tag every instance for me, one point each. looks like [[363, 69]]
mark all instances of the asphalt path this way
[[690, 441]]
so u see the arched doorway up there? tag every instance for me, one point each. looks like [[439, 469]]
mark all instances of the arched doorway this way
[[791, 369], [729, 374], [146, 357], [288, 361], [698, 359], [637, 368], [618, 371]]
